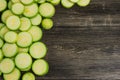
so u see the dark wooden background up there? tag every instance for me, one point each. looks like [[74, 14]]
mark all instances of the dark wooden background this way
[[85, 42]]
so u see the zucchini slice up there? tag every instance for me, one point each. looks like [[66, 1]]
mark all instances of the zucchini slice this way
[[17, 8], [5, 15], [30, 10], [36, 20], [1, 42], [3, 31], [40, 1], [9, 50], [14, 75], [74, 1], [1, 55], [10, 3], [38, 50], [67, 3], [40, 67], [15, 1], [2, 25], [3, 5], [23, 50], [28, 76], [11, 37], [24, 39], [7, 65], [83, 3], [55, 2], [36, 33], [47, 10], [47, 24], [26, 2], [13, 22], [25, 24], [23, 61]]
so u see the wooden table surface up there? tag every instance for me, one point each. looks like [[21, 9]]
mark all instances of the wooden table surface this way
[[85, 42]]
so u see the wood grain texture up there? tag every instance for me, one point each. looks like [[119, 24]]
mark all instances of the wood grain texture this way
[[85, 42]]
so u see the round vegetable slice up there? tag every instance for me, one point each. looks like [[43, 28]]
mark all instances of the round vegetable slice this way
[[36, 33], [5, 15], [48, 0], [31, 10], [1, 25], [41, 1], [17, 8], [67, 3], [15, 1], [10, 37], [26, 2], [55, 2], [28, 76], [7, 65], [9, 50], [14, 75], [25, 50], [26, 69], [40, 67], [1, 55], [3, 31], [74, 1], [10, 3], [24, 39], [47, 24], [83, 3], [36, 20], [23, 61], [1, 42], [13, 22], [25, 24], [3, 5], [38, 50], [47, 10], [36, 0]]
